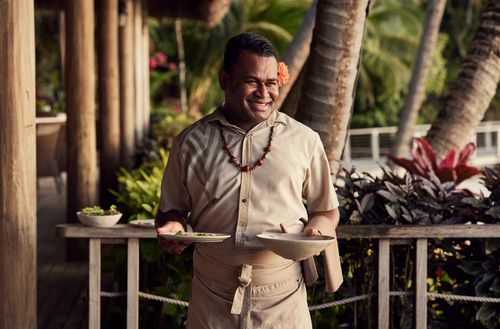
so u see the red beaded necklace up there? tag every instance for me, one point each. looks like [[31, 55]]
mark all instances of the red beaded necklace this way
[[234, 160]]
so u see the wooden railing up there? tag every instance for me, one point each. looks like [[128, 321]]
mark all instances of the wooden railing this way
[[386, 235]]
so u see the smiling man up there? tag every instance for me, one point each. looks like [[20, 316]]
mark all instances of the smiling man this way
[[243, 170]]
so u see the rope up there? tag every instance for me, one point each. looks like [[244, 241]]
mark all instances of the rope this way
[[339, 302], [146, 296], [163, 299], [466, 298], [320, 306]]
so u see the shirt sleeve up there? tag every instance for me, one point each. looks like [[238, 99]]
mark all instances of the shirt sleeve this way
[[174, 193], [318, 190]]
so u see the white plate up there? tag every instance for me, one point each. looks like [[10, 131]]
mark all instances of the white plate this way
[[190, 237], [144, 223], [296, 246]]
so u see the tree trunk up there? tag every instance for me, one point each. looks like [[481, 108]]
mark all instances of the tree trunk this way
[[474, 88], [127, 144], [297, 52], [80, 106], [145, 66], [416, 92], [109, 98], [17, 165], [182, 65], [330, 77], [138, 74]]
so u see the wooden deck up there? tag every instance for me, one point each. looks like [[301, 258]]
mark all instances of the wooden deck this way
[[62, 287]]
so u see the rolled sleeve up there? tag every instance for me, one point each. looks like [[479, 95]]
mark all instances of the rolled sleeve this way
[[318, 189]]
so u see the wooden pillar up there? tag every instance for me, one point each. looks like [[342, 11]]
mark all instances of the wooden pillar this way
[[17, 165], [109, 97], [421, 284], [145, 65], [138, 73], [127, 105], [80, 108]]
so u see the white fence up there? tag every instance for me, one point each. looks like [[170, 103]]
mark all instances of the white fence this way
[[367, 146]]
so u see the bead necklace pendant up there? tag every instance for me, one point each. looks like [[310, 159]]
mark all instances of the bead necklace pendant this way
[[245, 168]]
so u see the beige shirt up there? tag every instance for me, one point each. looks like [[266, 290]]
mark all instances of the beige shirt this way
[[204, 185]]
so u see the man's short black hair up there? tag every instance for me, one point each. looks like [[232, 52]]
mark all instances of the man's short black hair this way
[[252, 42]]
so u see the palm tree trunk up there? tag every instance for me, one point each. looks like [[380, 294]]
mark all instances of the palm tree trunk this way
[[298, 51], [182, 64], [330, 77], [416, 92], [473, 89]]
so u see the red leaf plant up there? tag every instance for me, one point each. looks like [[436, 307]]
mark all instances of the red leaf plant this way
[[453, 168]]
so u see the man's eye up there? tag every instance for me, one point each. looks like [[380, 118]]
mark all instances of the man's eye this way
[[272, 83], [251, 82]]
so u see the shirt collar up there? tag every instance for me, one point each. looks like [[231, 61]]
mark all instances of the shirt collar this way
[[273, 119]]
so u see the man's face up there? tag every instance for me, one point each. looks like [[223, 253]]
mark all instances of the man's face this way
[[251, 88]]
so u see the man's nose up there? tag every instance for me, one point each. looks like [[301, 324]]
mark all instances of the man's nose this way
[[262, 90]]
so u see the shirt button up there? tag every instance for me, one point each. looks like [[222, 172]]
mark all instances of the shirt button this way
[[244, 200]]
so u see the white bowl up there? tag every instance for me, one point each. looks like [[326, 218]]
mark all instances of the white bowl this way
[[295, 246], [98, 221]]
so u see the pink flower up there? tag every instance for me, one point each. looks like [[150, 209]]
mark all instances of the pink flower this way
[[160, 57], [153, 64], [172, 66]]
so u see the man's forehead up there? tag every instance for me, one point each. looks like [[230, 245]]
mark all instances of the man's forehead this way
[[250, 62]]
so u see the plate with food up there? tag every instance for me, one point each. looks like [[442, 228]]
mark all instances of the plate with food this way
[[190, 237], [144, 223]]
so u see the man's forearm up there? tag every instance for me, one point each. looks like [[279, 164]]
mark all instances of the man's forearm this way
[[324, 220], [171, 215]]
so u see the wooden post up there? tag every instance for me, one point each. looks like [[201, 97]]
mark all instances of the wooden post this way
[[133, 284], [94, 283], [109, 97], [127, 102], [421, 284], [80, 108], [17, 165], [383, 283], [145, 64]]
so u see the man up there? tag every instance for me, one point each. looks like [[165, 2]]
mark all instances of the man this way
[[242, 170]]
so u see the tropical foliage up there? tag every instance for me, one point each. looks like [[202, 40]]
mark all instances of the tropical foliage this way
[[393, 31]]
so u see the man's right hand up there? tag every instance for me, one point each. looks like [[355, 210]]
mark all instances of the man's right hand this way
[[171, 247]]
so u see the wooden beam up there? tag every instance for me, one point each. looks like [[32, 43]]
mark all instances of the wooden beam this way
[[209, 12], [17, 165], [127, 101], [109, 97], [80, 107]]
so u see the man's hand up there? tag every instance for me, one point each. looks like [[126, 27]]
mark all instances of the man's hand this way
[[171, 247]]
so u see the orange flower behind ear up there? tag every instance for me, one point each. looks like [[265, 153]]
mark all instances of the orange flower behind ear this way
[[283, 74]]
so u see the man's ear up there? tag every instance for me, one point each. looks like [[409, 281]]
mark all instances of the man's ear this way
[[223, 77]]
